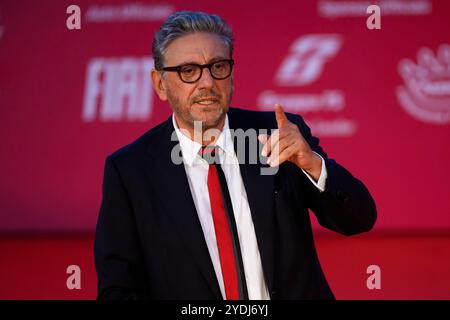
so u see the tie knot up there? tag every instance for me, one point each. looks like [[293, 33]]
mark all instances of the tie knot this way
[[210, 154]]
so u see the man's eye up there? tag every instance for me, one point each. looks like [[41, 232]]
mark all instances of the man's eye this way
[[187, 70], [219, 66]]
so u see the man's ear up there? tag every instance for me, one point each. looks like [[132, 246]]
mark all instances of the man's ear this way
[[158, 84]]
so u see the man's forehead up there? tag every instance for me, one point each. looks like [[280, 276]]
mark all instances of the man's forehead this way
[[196, 47]]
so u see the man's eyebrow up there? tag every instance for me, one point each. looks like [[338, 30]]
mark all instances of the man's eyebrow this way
[[209, 61]]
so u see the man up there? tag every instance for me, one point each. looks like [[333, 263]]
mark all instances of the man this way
[[216, 225]]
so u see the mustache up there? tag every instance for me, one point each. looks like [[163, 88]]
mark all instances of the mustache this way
[[206, 94]]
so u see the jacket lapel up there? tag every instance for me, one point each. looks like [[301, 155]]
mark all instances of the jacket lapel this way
[[172, 183]]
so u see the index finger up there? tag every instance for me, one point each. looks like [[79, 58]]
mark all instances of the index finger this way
[[280, 116]]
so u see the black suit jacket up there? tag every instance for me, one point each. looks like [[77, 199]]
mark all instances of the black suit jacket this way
[[149, 242]]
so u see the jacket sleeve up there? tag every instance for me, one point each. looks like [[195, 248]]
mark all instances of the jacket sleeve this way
[[118, 258], [346, 205]]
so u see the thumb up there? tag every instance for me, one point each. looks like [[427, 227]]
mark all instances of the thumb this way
[[280, 116]]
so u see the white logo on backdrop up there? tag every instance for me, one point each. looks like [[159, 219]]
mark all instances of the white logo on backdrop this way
[[340, 9], [128, 12], [307, 58], [118, 89], [426, 93], [305, 63]]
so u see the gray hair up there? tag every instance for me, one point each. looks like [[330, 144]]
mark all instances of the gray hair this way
[[184, 22]]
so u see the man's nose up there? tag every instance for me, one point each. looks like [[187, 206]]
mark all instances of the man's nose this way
[[206, 80]]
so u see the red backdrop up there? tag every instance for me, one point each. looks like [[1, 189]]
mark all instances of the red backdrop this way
[[378, 99]]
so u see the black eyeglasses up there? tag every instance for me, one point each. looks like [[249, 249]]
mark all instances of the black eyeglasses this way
[[192, 72]]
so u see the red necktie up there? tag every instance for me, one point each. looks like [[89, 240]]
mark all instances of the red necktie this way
[[223, 233]]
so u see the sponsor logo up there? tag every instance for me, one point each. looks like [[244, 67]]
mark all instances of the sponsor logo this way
[[426, 91], [328, 100], [305, 63], [307, 58], [128, 12], [118, 89], [341, 9]]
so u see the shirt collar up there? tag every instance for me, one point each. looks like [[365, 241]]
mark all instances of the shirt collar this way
[[191, 148]]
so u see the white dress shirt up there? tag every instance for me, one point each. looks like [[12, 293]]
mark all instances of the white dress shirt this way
[[197, 174]]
